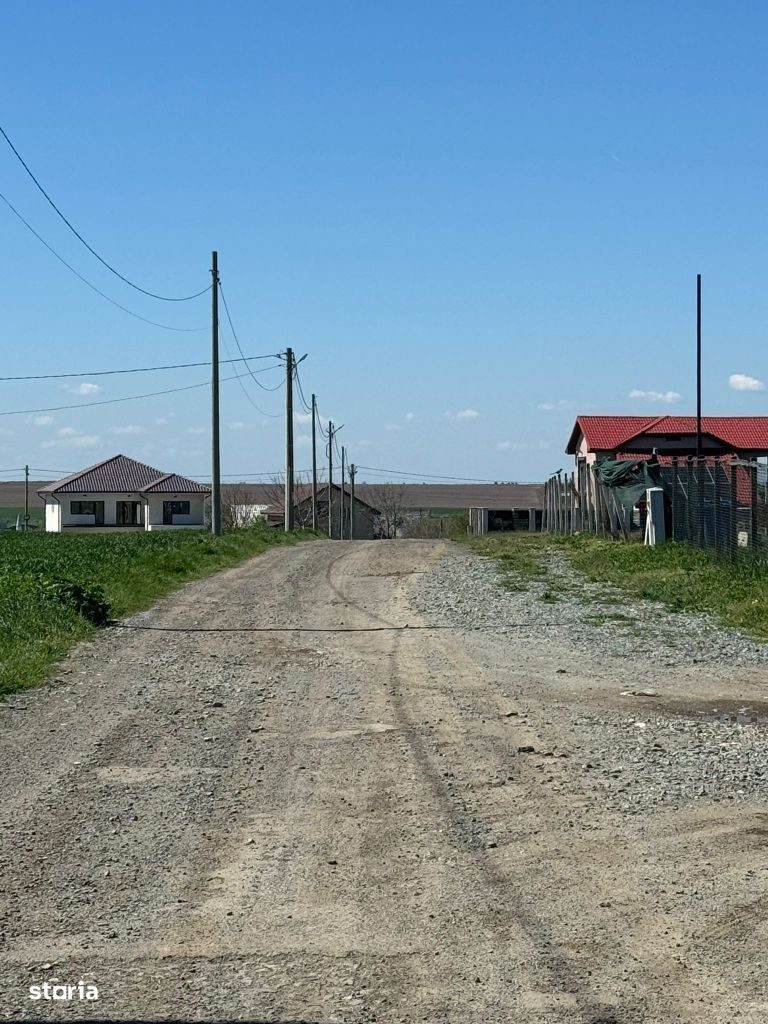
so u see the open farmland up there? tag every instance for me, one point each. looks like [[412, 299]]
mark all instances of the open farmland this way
[[41, 617]]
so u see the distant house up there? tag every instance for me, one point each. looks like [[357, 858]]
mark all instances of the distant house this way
[[366, 516], [123, 494], [637, 437]]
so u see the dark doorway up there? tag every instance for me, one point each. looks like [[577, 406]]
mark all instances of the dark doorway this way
[[128, 513]]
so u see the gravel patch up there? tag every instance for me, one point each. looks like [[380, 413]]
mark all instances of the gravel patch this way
[[626, 762], [472, 591]]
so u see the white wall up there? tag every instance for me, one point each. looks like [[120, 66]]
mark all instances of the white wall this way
[[52, 516], [110, 507], [151, 516], [155, 510]]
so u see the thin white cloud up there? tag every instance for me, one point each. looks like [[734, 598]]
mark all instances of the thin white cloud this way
[[668, 397], [237, 425], [392, 427], [410, 416], [42, 421], [743, 382], [467, 414], [84, 388], [197, 430], [303, 417], [69, 437], [130, 430], [561, 403], [512, 446]]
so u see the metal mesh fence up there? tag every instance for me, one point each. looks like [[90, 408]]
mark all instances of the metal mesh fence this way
[[721, 506]]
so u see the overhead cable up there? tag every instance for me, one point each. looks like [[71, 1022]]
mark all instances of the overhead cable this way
[[110, 401], [114, 302], [76, 233], [136, 369]]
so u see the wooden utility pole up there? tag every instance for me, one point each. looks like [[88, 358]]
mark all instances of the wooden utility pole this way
[[352, 471], [330, 479], [343, 488], [215, 449], [288, 440], [26, 498], [314, 463]]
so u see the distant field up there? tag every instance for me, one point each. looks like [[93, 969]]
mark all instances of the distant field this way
[[12, 493]]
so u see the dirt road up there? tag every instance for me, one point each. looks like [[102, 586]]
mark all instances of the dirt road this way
[[336, 820]]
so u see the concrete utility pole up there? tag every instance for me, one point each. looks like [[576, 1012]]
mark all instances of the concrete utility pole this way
[[288, 440], [215, 450], [314, 463], [352, 471], [343, 487], [26, 498], [330, 479]]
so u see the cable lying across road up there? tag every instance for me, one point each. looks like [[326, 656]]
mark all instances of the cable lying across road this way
[[314, 629]]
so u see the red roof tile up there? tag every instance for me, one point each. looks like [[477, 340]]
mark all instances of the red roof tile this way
[[608, 433]]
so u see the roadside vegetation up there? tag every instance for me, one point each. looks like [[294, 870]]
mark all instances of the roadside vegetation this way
[[57, 589], [682, 578]]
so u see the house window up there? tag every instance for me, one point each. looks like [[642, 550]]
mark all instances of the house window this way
[[174, 508], [82, 508]]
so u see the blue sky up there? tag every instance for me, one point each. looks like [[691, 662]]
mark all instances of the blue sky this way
[[479, 219]]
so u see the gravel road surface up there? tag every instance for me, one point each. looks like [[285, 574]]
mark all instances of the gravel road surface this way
[[259, 801]]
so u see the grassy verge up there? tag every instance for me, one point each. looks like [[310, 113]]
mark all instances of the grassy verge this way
[[132, 570], [681, 577]]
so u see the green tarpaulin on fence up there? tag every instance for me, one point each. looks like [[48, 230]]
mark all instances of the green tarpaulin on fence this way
[[628, 479]]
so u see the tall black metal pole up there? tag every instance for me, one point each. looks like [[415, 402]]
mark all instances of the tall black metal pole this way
[[698, 366]]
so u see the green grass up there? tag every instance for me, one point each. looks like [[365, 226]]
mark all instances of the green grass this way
[[682, 578], [8, 517], [133, 569]]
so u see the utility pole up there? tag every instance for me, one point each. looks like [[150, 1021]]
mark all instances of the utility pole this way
[[330, 479], [352, 471], [698, 367], [314, 463], [215, 450], [26, 498], [343, 488], [288, 440]]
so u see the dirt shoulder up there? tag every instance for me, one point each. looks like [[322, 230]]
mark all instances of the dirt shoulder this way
[[334, 820]]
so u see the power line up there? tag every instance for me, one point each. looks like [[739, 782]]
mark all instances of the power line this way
[[111, 401], [114, 302], [137, 369], [76, 233], [428, 476], [237, 342], [304, 402]]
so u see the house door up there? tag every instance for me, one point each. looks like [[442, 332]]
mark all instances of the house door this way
[[98, 509], [128, 513]]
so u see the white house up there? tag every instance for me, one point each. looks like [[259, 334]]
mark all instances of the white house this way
[[121, 493]]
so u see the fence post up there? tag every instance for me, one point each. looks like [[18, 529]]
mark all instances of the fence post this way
[[716, 531], [733, 517], [752, 469], [675, 499], [689, 499]]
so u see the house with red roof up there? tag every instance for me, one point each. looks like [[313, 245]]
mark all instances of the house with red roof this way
[[121, 493], [637, 437]]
